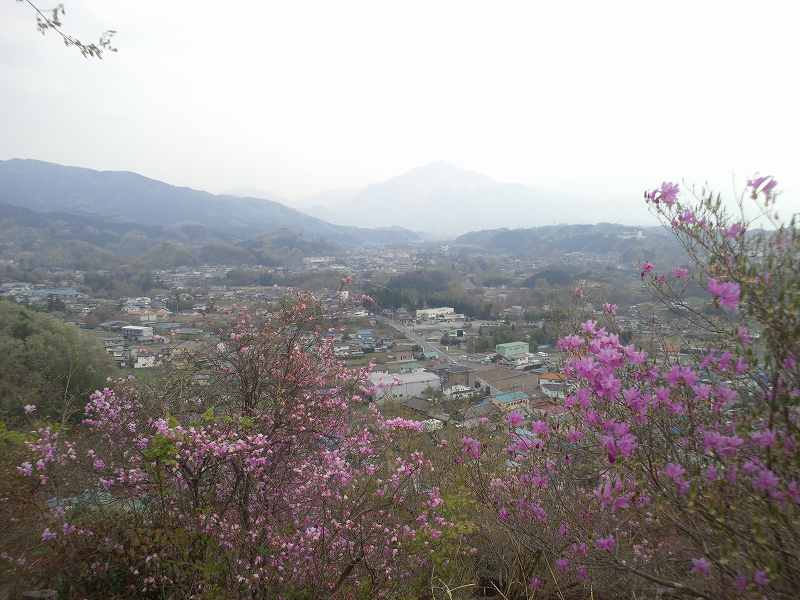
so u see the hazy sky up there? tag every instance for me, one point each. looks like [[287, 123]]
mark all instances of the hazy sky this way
[[296, 97]]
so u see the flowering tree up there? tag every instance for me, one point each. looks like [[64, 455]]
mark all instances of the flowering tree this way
[[277, 477], [670, 476]]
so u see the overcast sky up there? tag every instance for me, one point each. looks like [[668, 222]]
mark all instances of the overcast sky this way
[[296, 97]]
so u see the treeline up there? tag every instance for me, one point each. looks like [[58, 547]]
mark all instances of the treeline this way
[[46, 364], [85, 243], [421, 289]]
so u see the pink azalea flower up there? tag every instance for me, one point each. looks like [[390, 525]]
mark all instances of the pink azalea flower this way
[[646, 268], [570, 342], [471, 447], [574, 436], [540, 428], [606, 543], [680, 272], [515, 419], [765, 438], [764, 184], [667, 193], [48, 535], [734, 231], [726, 292], [676, 472], [765, 481], [701, 566], [760, 578], [610, 309], [687, 217]]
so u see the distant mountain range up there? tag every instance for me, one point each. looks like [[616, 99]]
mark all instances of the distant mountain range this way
[[125, 197], [445, 200], [53, 215]]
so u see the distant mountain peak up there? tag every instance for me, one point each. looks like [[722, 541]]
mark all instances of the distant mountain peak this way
[[441, 171]]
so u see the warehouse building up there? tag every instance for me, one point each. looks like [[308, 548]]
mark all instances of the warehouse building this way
[[403, 385], [513, 350]]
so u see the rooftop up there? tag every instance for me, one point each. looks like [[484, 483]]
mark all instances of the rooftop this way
[[509, 397]]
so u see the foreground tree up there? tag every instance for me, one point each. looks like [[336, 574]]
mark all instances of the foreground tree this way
[[666, 477], [275, 480], [45, 365]]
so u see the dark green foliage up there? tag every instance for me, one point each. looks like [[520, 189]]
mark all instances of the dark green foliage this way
[[419, 289], [551, 276], [46, 363], [632, 244]]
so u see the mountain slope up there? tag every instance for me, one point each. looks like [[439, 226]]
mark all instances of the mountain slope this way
[[62, 240], [121, 196], [438, 198], [547, 241]]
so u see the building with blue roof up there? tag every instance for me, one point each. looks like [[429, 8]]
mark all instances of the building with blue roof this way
[[509, 401]]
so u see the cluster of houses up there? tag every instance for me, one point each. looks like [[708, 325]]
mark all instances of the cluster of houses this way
[[70, 298], [432, 393], [363, 341]]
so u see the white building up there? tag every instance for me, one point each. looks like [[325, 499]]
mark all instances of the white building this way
[[135, 332], [429, 425], [458, 390], [435, 313], [403, 385], [144, 362]]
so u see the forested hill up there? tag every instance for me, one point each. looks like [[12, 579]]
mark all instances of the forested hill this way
[[125, 197], [602, 238]]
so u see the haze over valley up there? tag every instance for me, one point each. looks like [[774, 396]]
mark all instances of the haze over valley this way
[[421, 300]]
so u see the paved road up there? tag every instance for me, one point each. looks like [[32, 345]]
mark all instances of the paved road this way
[[418, 339]]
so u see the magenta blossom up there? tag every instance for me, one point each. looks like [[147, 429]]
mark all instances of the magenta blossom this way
[[540, 428], [667, 193], [680, 272], [48, 535], [515, 419], [734, 231], [569, 343], [610, 309], [606, 543], [701, 566], [471, 447], [760, 578], [726, 292], [764, 184]]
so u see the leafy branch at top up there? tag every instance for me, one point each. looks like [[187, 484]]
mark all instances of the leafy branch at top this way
[[51, 19]]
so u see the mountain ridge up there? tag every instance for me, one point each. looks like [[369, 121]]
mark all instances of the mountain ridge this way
[[437, 198], [126, 196]]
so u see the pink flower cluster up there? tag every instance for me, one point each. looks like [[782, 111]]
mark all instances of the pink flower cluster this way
[[285, 435]]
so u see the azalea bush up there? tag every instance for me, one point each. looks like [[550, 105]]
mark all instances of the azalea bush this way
[[276, 479], [668, 476]]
